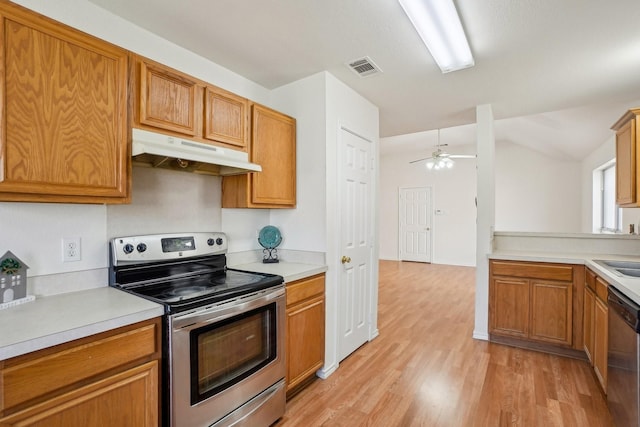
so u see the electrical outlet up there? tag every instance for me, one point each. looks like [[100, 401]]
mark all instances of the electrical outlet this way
[[71, 249]]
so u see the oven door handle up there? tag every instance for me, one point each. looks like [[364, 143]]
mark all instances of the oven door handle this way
[[225, 310]]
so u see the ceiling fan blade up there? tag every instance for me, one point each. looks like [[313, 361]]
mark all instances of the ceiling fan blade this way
[[463, 156], [421, 160]]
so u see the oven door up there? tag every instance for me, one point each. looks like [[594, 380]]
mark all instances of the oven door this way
[[223, 356]]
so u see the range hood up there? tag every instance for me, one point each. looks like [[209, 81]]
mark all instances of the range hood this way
[[171, 152]]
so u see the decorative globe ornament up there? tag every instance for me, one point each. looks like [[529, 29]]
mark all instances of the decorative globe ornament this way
[[269, 238]]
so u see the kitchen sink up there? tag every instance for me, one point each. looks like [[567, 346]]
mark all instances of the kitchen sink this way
[[633, 272], [620, 264], [621, 268]]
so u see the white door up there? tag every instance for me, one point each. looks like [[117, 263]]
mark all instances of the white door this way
[[415, 224], [356, 215]]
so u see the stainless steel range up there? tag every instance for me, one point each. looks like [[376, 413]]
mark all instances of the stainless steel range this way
[[223, 335]]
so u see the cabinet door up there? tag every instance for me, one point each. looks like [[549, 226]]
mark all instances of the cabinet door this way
[[305, 340], [226, 117], [509, 307], [129, 398], [588, 323], [601, 338], [274, 148], [169, 100], [551, 312], [626, 164], [64, 113]]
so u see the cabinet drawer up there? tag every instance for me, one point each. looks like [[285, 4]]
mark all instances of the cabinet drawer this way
[[601, 289], [38, 374], [562, 273], [304, 289]]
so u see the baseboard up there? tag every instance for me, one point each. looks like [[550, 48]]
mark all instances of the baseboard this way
[[325, 371], [483, 336], [374, 334], [542, 347]]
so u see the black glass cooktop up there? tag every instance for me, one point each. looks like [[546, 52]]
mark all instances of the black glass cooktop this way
[[186, 292]]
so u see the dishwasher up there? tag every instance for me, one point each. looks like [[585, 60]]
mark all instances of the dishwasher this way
[[622, 359]]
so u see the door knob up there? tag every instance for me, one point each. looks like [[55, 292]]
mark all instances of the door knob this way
[[346, 259]]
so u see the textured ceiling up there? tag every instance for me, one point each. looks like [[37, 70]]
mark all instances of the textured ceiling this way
[[565, 69]]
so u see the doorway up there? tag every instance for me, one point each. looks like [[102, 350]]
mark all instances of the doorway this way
[[415, 230]]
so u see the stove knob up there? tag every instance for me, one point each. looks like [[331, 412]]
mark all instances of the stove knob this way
[[219, 240], [210, 242], [128, 248], [141, 247]]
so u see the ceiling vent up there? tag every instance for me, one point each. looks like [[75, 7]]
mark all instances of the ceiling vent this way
[[364, 67]]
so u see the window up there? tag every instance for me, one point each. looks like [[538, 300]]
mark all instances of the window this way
[[610, 213]]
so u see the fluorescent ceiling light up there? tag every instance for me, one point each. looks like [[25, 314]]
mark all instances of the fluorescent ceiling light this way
[[438, 24]]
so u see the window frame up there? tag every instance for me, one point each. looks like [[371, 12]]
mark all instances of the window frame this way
[[602, 202]]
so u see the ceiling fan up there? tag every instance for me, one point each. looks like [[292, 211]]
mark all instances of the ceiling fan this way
[[441, 159]]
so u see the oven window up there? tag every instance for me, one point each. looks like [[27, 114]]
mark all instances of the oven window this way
[[226, 352]]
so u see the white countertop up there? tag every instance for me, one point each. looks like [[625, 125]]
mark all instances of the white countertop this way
[[61, 318], [627, 285], [289, 270], [56, 319]]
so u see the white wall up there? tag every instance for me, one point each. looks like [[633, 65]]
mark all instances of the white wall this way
[[166, 201], [304, 228], [454, 192], [536, 192], [529, 189]]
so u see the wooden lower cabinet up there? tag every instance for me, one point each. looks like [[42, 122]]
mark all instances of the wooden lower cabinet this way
[[510, 298], [551, 312], [535, 302], [589, 307], [305, 331], [600, 341], [596, 325], [107, 379]]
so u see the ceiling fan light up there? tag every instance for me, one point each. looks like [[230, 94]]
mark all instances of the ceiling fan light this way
[[430, 165], [449, 164]]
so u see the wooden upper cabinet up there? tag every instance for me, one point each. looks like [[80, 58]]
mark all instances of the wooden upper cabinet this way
[[168, 99], [175, 103], [226, 117], [63, 113], [627, 159], [273, 146]]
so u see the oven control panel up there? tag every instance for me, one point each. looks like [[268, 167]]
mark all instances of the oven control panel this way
[[158, 247]]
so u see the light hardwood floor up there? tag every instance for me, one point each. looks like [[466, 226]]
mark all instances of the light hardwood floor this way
[[425, 369]]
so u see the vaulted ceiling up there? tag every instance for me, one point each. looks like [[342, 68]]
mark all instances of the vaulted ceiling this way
[[557, 73]]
